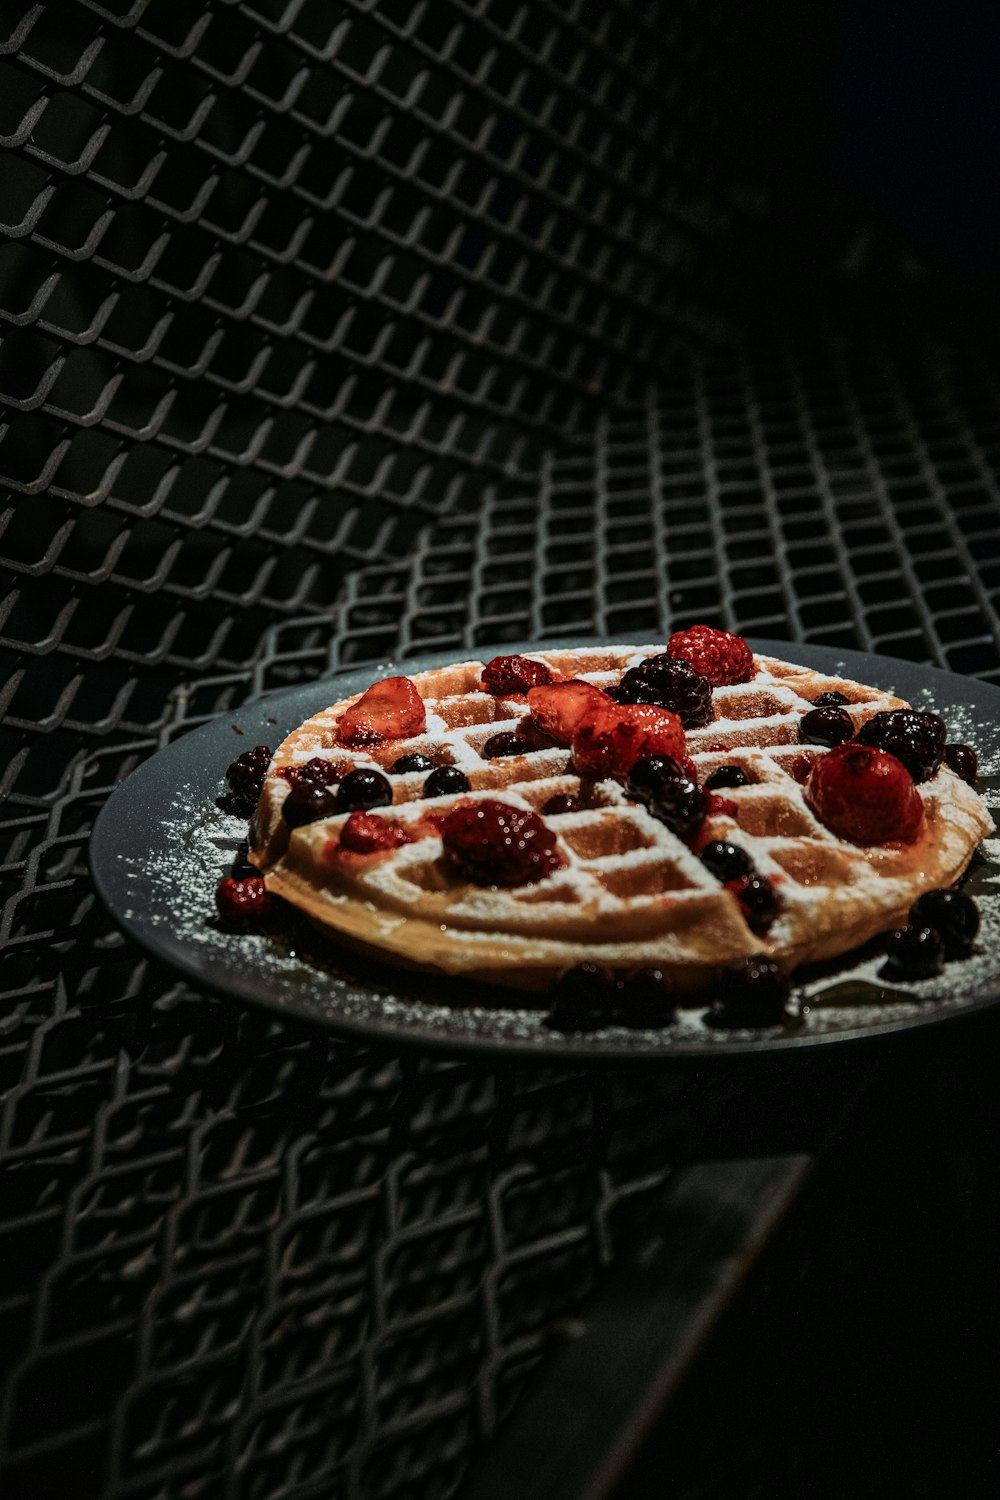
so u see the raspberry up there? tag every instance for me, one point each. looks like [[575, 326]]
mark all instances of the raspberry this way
[[727, 776], [610, 740], [390, 710], [243, 904], [492, 843], [246, 777], [716, 654], [962, 759], [306, 802], [507, 743], [826, 726], [671, 683], [363, 789], [365, 834], [557, 710], [753, 994], [864, 795], [913, 952], [514, 674], [915, 739], [953, 916]]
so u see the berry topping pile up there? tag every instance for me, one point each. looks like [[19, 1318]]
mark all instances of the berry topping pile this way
[[244, 904], [864, 795], [670, 683], [390, 710], [365, 834], [609, 740], [668, 793], [492, 843], [715, 654], [914, 738], [557, 710], [514, 674], [246, 777], [826, 726]]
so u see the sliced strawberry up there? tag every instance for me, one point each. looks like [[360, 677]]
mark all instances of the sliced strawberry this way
[[609, 740], [559, 707], [390, 710]]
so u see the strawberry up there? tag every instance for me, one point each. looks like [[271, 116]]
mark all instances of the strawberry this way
[[716, 654], [865, 795], [390, 710], [558, 709], [609, 740], [514, 674], [365, 834]]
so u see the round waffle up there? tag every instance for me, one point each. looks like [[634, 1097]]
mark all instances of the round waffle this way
[[628, 892]]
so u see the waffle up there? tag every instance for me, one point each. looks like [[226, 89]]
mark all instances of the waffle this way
[[629, 891]]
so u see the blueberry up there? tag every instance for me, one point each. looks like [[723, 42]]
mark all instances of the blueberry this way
[[649, 774], [646, 1000], [681, 805], [914, 952], [583, 999], [307, 801], [830, 700], [727, 776], [508, 743], [413, 762], [962, 759], [726, 861], [363, 789], [825, 726], [752, 994], [560, 802], [760, 904], [952, 915], [446, 781]]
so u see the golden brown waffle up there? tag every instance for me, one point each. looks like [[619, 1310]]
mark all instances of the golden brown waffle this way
[[630, 891]]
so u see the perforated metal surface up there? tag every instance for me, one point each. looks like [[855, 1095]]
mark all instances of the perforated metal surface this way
[[334, 331]]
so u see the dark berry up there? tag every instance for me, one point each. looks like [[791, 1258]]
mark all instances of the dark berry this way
[[830, 700], [446, 781], [307, 801], [583, 999], [681, 805], [413, 762], [363, 789], [649, 774], [727, 776], [508, 743], [757, 901], [561, 803], [243, 904], [646, 1000], [915, 739], [317, 771], [246, 777], [962, 759], [751, 994], [670, 683], [826, 726], [493, 843], [726, 861], [953, 916], [914, 952]]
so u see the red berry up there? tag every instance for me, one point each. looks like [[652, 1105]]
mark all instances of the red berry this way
[[243, 904], [514, 674], [608, 741], [492, 843], [390, 710], [365, 834], [558, 709], [865, 795], [716, 654]]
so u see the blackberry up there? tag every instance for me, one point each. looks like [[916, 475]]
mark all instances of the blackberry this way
[[752, 994], [670, 683], [952, 915], [830, 700], [583, 999], [681, 805], [825, 726], [914, 952], [962, 759], [308, 801], [363, 789], [649, 774], [446, 781], [646, 1000], [916, 739], [246, 777], [561, 803], [727, 776], [726, 861], [412, 762], [756, 896], [507, 743]]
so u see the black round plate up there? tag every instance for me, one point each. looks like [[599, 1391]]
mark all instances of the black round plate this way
[[161, 843]]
